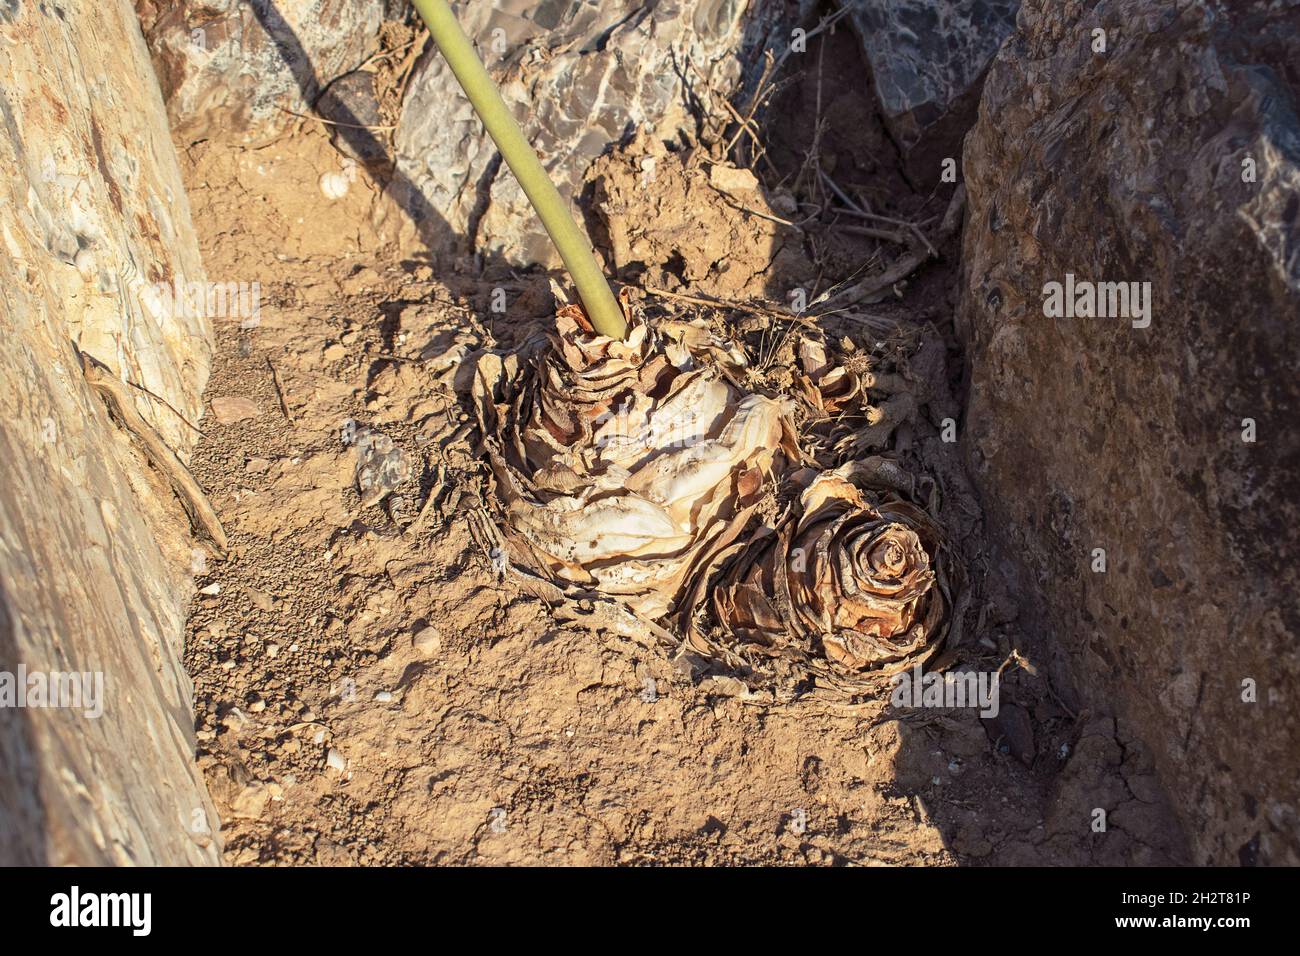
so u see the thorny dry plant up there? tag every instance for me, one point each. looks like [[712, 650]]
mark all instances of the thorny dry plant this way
[[739, 510]]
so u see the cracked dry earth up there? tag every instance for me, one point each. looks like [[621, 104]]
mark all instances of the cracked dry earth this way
[[370, 695]]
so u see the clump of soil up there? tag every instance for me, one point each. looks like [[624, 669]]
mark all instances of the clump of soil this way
[[370, 689], [681, 221]]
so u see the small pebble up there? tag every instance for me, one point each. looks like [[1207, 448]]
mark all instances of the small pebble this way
[[384, 697], [213, 588], [227, 409], [427, 641], [335, 760], [334, 184], [272, 650], [261, 599], [730, 180]]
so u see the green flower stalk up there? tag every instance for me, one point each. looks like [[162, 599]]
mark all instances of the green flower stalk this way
[[571, 242]]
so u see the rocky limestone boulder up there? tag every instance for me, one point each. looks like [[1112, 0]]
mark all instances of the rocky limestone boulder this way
[[579, 76], [246, 66], [927, 59], [95, 557], [1139, 458]]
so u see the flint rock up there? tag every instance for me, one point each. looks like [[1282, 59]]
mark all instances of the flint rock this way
[[578, 76], [349, 102], [927, 60], [245, 66]]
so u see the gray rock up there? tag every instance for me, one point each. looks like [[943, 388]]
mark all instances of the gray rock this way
[[238, 65], [1173, 158], [579, 76], [350, 100], [927, 58]]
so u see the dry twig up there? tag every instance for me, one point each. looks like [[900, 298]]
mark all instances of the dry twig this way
[[201, 513], [875, 287]]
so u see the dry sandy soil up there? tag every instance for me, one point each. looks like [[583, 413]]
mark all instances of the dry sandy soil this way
[[369, 690]]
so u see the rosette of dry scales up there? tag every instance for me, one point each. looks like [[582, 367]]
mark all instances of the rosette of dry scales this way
[[856, 576], [624, 466], [851, 408]]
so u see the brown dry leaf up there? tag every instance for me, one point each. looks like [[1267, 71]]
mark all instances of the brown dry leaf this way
[[827, 387]]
